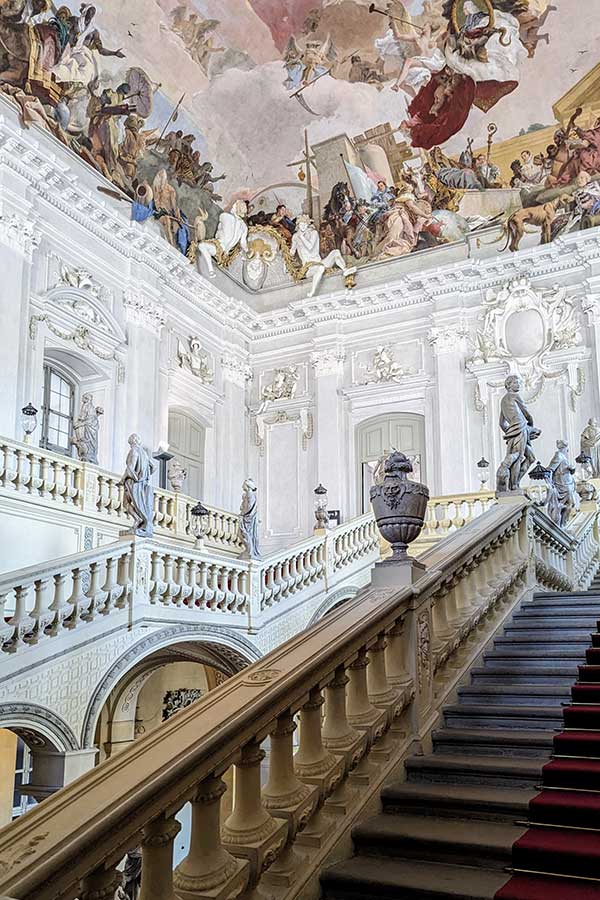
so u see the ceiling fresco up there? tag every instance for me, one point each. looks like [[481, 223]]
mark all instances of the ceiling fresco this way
[[395, 126]]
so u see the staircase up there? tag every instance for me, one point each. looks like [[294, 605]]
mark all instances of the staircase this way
[[449, 830]]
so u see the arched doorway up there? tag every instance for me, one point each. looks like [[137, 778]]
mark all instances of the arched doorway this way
[[378, 436], [186, 441]]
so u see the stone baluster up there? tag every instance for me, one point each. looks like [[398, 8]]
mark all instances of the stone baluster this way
[[155, 578], [313, 762], [362, 715], [100, 885], [109, 585], [202, 584], [338, 734], [20, 622], [157, 859], [59, 607], [208, 867], [92, 592], [283, 789], [381, 693], [77, 601], [396, 655], [251, 832], [39, 612], [18, 479]]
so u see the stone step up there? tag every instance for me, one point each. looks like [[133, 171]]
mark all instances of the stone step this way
[[495, 771], [538, 653], [456, 841], [518, 675], [517, 694], [487, 715], [493, 742], [565, 639], [369, 878], [553, 613], [488, 803], [564, 599], [551, 623]]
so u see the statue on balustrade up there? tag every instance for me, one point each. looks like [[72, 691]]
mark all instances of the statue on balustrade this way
[[249, 519], [85, 430], [590, 448], [138, 498], [563, 477], [516, 424]]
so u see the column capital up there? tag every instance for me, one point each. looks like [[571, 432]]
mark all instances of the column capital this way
[[19, 233], [448, 337], [328, 361], [235, 370], [143, 310]]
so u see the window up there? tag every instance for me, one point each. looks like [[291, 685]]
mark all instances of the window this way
[[57, 424], [21, 802]]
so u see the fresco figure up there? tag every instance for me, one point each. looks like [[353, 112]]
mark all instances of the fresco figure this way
[[232, 231]]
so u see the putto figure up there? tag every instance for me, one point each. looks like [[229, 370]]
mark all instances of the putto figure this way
[[516, 423], [563, 473], [249, 519], [85, 430], [138, 496], [305, 243]]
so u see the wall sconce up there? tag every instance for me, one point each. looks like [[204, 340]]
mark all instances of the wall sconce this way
[[483, 472], [199, 514], [29, 420], [321, 514]]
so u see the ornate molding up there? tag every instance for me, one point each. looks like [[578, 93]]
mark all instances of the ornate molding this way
[[195, 360], [142, 310], [235, 370], [328, 362], [176, 700], [80, 336], [80, 279], [385, 369]]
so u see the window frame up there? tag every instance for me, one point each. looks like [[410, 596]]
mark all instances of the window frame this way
[[51, 369]]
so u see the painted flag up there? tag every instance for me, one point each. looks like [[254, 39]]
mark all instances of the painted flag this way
[[363, 186]]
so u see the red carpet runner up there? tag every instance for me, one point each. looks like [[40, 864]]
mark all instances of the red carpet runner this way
[[557, 844]]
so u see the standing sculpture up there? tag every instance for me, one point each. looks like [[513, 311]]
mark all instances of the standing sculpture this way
[[249, 519], [85, 430], [590, 448], [177, 476], [138, 493], [563, 477], [516, 423], [306, 243]]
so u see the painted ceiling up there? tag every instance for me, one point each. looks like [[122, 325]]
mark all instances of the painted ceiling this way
[[460, 100]]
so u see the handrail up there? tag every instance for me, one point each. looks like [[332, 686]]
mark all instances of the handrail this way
[[70, 844]]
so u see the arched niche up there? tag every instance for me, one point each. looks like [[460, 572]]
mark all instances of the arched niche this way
[[378, 436], [224, 651]]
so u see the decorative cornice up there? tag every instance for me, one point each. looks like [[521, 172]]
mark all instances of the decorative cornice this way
[[142, 310]]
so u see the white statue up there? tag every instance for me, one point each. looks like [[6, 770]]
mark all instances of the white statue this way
[[177, 475], [195, 359], [85, 430], [231, 231], [249, 519], [283, 386], [516, 423], [590, 448], [138, 495], [563, 473], [305, 243]]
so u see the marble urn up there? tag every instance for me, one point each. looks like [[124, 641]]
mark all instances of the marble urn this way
[[399, 505]]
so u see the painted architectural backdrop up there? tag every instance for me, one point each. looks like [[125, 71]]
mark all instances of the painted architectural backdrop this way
[[396, 126]]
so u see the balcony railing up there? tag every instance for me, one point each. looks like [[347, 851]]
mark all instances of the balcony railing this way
[[382, 664], [43, 600], [57, 480]]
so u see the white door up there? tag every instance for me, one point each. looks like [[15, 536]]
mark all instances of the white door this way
[[376, 437], [186, 442]]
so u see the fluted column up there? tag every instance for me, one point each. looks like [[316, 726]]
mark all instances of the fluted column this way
[[157, 859], [208, 865]]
